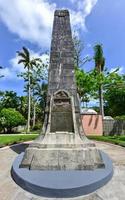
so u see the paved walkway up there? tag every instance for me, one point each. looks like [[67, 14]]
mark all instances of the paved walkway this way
[[114, 190]]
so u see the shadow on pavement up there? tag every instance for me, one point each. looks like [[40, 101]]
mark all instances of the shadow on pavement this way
[[19, 148]]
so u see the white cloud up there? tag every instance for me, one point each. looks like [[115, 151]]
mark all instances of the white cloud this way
[[84, 8], [32, 19], [73, 1], [88, 5], [77, 20], [89, 45], [15, 68], [7, 73], [84, 5]]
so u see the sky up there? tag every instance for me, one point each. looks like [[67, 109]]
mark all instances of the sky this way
[[29, 23]]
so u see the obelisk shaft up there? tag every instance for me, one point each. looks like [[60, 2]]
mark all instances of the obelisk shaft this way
[[61, 70]]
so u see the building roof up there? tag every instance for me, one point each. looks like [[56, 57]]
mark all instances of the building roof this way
[[88, 111], [108, 117]]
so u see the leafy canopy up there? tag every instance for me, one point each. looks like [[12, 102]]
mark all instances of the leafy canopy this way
[[10, 118]]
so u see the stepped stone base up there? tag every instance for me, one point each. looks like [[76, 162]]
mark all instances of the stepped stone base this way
[[61, 183], [70, 153]]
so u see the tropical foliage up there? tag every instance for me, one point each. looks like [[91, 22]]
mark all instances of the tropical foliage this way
[[35, 70], [97, 84], [99, 66], [10, 118]]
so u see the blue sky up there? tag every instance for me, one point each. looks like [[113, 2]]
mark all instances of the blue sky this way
[[29, 23]]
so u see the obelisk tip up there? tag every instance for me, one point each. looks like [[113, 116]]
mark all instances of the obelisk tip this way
[[61, 13]]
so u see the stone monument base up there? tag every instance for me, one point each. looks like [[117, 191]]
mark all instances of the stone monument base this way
[[62, 183], [62, 151]]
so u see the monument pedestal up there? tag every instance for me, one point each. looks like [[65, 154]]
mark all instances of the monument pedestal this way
[[62, 151]]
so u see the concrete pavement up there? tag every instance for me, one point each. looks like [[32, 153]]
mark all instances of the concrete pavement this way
[[114, 190]]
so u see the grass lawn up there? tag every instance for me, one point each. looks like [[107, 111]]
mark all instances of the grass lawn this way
[[119, 140], [8, 139]]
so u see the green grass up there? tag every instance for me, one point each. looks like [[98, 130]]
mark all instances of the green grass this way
[[9, 139], [118, 140]]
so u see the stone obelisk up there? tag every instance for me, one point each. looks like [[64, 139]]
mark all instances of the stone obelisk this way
[[62, 144]]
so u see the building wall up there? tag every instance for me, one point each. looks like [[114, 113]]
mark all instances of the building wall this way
[[114, 127], [92, 124]]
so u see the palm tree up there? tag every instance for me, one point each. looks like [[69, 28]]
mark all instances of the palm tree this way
[[99, 65], [29, 63], [38, 88]]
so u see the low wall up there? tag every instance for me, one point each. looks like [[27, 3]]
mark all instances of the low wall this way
[[114, 127], [92, 124], [19, 128]]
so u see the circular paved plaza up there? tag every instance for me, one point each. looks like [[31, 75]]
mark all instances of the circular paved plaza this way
[[114, 190]]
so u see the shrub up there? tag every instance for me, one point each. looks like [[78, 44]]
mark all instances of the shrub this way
[[38, 126], [122, 117], [10, 118]]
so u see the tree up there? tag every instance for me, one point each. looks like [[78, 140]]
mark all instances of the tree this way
[[115, 94], [41, 94], [99, 65], [9, 99], [38, 75], [22, 107], [83, 83], [113, 89], [78, 50], [1, 76], [10, 118], [87, 84], [29, 63], [115, 101], [79, 61]]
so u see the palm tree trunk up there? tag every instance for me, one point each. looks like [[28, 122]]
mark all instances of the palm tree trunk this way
[[101, 104], [29, 103], [101, 101], [34, 115]]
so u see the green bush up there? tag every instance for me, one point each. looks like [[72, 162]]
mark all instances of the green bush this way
[[38, 126], [122, 117], [10, 118]]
